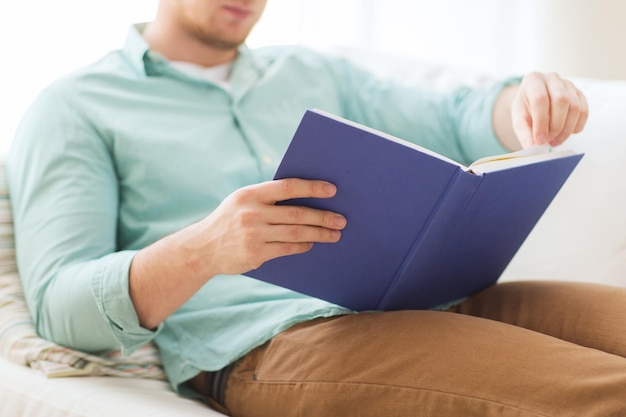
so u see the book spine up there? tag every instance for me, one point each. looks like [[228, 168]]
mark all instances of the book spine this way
[[412, 286]]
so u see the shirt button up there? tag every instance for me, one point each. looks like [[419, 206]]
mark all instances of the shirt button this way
[[266, 160]]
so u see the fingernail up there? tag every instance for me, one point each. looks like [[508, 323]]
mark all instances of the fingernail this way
[[540, 138], [340, 221], [330, 189]]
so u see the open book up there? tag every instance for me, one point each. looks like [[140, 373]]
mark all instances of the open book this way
[[423, 230]]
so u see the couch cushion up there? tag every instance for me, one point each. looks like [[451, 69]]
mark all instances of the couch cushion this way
[[27, 393], [582, 235], [19, 341]]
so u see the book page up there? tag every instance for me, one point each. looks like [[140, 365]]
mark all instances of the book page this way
[[526, 156]]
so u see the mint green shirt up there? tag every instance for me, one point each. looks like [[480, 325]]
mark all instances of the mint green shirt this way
[[128, 150]]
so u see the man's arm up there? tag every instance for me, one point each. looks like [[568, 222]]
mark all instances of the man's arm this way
[[543, 109], [85, 293], [246, 230], [466, 123], [65, 201]]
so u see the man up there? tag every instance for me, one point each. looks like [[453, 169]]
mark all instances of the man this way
[[141, 192]]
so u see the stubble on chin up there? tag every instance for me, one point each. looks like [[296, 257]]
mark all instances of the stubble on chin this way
[[217, 40]]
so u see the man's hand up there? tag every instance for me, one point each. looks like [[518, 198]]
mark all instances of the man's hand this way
[[245, 231], [547, 109], [543, 109], [248, 229]]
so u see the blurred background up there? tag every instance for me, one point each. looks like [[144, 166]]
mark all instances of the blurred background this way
[[40, 40]]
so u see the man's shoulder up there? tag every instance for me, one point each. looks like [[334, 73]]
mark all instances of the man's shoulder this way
[[112, 65], [82, 87]]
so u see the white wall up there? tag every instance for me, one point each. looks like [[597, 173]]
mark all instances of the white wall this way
[[41, 40], [580, 37]]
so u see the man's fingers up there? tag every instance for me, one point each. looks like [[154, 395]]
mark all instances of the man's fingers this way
[[306, 216], [278, 249], [289, 188], [561, 101], [293, 233], [538, 102], [584, 111], [574, 114], [523, 129], [553, 108]]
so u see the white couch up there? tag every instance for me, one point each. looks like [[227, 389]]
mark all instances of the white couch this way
[[581, 237]]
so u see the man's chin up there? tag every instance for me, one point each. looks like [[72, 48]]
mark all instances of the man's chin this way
[[224, 44]]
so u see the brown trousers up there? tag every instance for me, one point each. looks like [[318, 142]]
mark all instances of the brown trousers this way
[[515, 349]]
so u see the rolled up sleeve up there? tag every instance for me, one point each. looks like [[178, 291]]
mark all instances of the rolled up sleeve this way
[[65, 199], [456, 123], [110, 290]]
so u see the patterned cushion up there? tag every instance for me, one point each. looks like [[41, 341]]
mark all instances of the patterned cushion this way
[[19, 341]]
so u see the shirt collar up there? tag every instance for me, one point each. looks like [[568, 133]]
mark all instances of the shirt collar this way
[[247, 68], [136, 49]]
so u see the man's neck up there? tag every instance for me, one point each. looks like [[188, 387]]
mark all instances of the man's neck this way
[[176, 45]]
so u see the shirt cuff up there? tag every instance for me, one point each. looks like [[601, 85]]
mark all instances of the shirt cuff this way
[[110, 286]]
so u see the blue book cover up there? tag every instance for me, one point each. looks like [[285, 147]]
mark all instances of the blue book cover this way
[[422, 230]]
